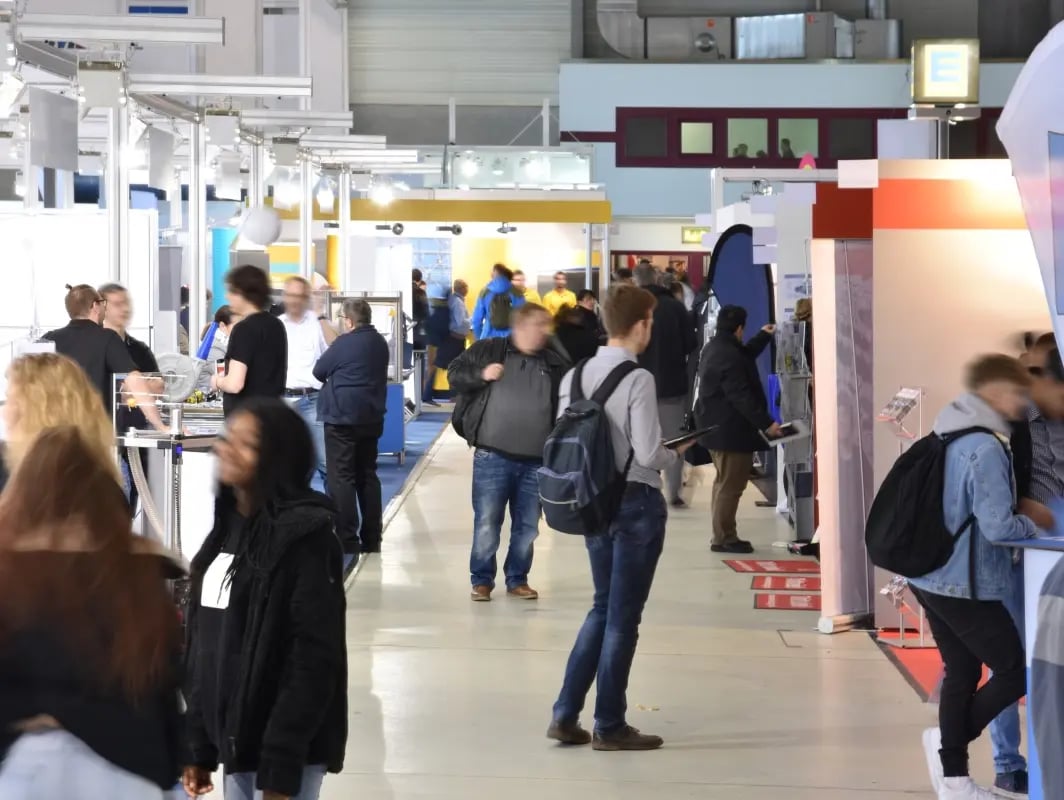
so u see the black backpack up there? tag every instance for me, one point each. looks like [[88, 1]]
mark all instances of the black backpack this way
[[906, 531], [500, 310], [580, 487]]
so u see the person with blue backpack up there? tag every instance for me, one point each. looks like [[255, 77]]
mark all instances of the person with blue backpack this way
[[496, 304], [610, 405], [938, 520]]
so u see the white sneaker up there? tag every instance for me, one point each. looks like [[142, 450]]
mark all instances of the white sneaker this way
[[932, 744], [964, 789]]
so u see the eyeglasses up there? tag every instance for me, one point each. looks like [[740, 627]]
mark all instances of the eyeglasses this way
[[288, 296]]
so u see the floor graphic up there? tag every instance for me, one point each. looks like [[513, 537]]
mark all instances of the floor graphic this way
[[787, 602], [758, 567], [784, 583]]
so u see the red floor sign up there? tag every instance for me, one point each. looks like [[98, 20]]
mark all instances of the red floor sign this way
[[777, 567], [787, 602], [785, 583]]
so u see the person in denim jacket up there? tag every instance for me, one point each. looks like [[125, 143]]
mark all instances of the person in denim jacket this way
[[970, 621]]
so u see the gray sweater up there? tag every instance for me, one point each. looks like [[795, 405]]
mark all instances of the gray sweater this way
[[1047, 682], [633, 415]]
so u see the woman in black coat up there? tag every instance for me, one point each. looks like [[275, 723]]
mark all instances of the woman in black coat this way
[[267, 661]]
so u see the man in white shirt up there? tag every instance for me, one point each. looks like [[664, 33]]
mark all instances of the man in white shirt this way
[[308, 338]]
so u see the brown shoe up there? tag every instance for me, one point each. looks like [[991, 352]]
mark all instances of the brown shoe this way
[[481, 594], [627, 738], [568, 733], [525, 592]]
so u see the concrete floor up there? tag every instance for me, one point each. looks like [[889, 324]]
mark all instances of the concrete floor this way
[[451, 699]]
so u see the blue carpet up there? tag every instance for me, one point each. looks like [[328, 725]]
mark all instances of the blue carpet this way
[[420, 436]]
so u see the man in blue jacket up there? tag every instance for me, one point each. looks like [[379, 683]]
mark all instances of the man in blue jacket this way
[[491, 317], [354, 371]]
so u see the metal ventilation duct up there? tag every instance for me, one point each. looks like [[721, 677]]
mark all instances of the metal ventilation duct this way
[[622, 27], [721, 8]]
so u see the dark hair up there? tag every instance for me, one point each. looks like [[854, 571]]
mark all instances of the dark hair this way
[[416, 275], [1045, 340], [224, 315], [623, 274], [184, 295], [286, 460], [995, 368], [109, 289], [80, 299], [503, 271], [584, 294], [251, 283], [730, 319], [63, 514], [358, 311], [518, 272], [625, 307], [561, 272]]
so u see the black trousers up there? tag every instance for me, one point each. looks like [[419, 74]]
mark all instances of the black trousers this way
[[351, 464], [969, 634]]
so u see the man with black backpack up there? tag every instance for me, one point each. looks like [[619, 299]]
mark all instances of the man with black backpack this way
[[507, 394], [496, 304], [624, 552], [935, 520]]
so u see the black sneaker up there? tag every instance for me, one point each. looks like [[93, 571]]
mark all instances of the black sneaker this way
[[738, 547], [678, 502], [1011, 784], [568, 733], [627, 738]]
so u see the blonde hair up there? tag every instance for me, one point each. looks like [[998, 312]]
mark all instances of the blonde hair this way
[[50, 391]]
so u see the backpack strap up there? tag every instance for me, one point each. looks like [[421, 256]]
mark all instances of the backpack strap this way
[[576, 388], [613, 380]]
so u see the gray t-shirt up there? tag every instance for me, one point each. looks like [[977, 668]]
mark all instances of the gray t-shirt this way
[[517, 419]]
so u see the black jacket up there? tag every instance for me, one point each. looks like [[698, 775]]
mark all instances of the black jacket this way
[[354, 371], [44, 673], [465, 378], [578, 332], [1022, 457], [290, 707], [730, 394], [672, 340]]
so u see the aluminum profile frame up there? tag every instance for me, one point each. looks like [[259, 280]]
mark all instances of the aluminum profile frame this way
[[342, 143], [284, 118], [222, 85], [153, 29]]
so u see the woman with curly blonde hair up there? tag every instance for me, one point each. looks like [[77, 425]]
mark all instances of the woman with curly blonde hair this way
[[47, 390]]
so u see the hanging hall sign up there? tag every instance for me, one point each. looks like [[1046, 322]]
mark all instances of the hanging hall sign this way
[[945, 72]]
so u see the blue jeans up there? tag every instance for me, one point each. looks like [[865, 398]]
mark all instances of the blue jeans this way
[[499, 482], [56, 765], [307, 408], [241, 786], [1005, 729], [623, 562]]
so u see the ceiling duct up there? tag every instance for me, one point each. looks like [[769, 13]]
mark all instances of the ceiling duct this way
[[721, 8], [663, 37], [622, 27]]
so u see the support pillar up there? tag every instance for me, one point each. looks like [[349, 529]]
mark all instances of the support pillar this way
[[117, 193], [197, 233], [344, 200], [306, 220]]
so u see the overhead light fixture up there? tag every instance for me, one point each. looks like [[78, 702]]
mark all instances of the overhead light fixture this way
[[397, 228], [134, 28], [379, 156], [20, 184], [326, 195], [506, 228], [282, 118], [455, 229], [315, 141], [470, 167], [223, 129], [222, 85], [381, 193], [286, 189], [535, 168], [498, 167]]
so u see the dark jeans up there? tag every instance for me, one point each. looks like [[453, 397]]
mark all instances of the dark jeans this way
[[969, 634], [623, 562], [499, 482], [351, 461]]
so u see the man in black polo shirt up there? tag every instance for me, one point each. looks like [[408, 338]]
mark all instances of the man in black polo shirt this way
[[256, 363], [99, 352], [117, 312]]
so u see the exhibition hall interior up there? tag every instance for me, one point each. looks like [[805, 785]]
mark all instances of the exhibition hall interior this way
[[403, 399]]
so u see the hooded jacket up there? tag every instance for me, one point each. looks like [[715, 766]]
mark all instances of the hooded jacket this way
[[288, 706], [482, 327], [979, 480]]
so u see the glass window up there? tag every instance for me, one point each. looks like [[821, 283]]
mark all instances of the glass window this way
[[748, 138], [798, 137], [852, 138], [646, 137], [696, 138]]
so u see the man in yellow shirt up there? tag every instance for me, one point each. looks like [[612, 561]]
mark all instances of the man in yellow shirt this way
[[521, 287], [559, 297]]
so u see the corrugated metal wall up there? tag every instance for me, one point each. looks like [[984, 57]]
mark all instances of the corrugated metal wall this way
[[482, 52]]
